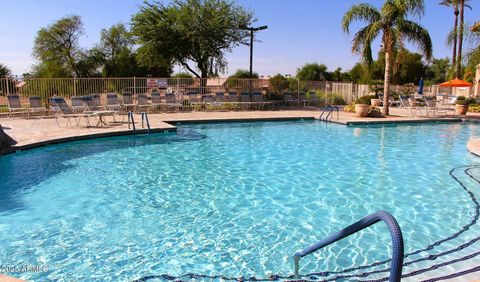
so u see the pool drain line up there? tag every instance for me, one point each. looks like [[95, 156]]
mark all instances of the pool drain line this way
[[317, 276]]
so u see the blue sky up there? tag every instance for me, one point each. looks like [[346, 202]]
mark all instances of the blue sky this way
[[300, 31]]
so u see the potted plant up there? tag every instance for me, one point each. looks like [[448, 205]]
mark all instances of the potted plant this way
[[375, 101], [377, 88], [461, 106], [362, 105]]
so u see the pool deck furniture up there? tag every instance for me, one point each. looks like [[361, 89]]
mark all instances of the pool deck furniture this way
[[36, 107], [92, 108], [171, 102], [156, 101], [113, 103], [288, 99], [142, 103], [406, 104], [14, 105], [65, 111], [127, 102], [77, 104]]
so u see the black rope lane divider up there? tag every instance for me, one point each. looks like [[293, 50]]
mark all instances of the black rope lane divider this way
[[316, 275]]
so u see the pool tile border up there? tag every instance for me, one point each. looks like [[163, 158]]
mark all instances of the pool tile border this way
[[15, 149]]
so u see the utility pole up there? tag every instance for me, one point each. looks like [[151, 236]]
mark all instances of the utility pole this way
[[252, 30]]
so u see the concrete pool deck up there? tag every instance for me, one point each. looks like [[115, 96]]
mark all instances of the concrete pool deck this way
[[29, 133]]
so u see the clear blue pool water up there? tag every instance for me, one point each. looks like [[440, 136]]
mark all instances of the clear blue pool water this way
[[233, 199]]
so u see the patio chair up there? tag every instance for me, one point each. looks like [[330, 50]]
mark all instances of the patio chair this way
[[195, 102], [233, 97], [220, 97], [142, 103], [313, 99], [171, 101], [15, 106], [92, 108], [97, 100], [67, 112], [113, 103], [220, 100], [302, 98], [233, 101], [432, 107], [90, 104], [449, 103], [258, 100], [36, 106], [156, 101], [78, 106], [127, 101], [407, 105], [288, 98], [209, 102], [245, 103]]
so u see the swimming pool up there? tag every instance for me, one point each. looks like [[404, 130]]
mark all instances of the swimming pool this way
[[238, 199]]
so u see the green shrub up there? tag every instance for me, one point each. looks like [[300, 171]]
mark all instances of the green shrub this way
[[328, 98], [365, 99], [349, 108], [375, 112], [471, 101]]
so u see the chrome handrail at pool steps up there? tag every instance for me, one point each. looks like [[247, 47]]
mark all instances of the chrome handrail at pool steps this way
[[130, 119], [145, 117], [393, 227], [330, 109]]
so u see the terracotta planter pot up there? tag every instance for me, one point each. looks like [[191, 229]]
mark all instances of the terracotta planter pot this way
[[361, 110], [461, 110], [375, 102]]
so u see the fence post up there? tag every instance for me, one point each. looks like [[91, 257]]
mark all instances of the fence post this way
[[134, 85], [74, 85], [298, 88], [8, 85]]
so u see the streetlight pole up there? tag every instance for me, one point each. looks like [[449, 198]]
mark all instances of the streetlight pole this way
[[252, 30]]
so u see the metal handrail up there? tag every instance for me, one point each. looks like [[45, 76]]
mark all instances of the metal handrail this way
[[330, 112], [393, 227], [130, 118], [324, 110], [331, 109], [145, 117]]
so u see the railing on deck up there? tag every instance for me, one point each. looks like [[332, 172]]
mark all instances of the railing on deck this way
[[68, 87]]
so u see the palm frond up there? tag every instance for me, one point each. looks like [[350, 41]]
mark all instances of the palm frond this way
[[360, 12], [411, 7], [362, 41], [417, 35]]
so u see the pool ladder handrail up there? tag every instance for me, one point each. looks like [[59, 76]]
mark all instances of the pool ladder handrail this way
[[145, 118], [330, 109], [395, 232], [131, 119]]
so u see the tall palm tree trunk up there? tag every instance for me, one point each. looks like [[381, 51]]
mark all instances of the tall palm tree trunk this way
[[455, 38], [386, 83], [460, 39]]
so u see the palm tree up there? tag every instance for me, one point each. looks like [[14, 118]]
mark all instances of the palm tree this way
[[460, 38], [392, 23], [4, 71], [455, 38], [454, 5]]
